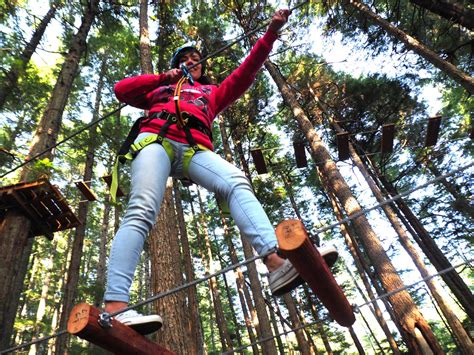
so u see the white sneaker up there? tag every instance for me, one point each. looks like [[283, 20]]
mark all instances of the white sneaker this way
[[329, 254], [140, 323], [286, 278]]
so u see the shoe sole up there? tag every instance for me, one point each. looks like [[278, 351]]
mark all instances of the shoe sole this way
[[330, 257], [146, 328]]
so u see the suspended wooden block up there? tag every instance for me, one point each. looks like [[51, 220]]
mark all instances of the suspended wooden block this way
[[259, 161], [300, 155], [342, 140], [86, 190], [388, 133], [433, 131], [42, 203], [84, 322], [294, 243], [108, 181]]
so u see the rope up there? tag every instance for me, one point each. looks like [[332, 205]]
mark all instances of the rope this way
[[356, 309], [248, 261], [238, 39], [35, 341], [64, 140]]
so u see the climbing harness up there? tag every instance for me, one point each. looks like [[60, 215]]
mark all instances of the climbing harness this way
[[182, 119]]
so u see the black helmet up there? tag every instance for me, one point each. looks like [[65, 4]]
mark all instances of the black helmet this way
[[174, 62]]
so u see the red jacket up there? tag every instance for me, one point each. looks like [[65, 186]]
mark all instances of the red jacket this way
[[202, 101]]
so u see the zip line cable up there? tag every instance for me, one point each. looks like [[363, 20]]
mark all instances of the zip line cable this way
[[238, 39], [248, 261], [356, 307], [36, 156]]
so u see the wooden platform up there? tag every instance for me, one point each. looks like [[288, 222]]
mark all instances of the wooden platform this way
[[42, 203]]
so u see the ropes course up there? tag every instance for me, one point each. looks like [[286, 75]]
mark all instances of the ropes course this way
[[107, 317], [250, 260]]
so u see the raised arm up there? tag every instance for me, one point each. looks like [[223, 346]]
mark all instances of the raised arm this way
[[242, 78]]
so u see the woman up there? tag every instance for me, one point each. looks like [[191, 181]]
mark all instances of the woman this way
[[175, 140]]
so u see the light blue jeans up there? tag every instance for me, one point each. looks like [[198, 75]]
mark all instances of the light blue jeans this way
[[150, 170]]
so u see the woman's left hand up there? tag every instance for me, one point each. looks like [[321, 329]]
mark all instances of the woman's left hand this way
[[278, 20]]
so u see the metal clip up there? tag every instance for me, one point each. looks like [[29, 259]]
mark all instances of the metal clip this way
[[105, 320], [187, 74]]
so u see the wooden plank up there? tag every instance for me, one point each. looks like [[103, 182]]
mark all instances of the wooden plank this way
[[300, 155], [432, 131], [259, 161], [388, 134], [342, 140], [42, 203], [294, 243], [108, 181], [86, 190], [84, 322]]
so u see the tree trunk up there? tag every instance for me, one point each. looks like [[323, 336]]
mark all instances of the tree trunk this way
[[70, 291], [450, 10], [7, 87], [15, 227], [454, 281], [164, 251], [38, 329], [194, 325], [207, 259], [460, 202], [356, 340], [145, 50], [101, 265], [462, 337], [319, 325], [412, 43], [303, 346], [246, 302], [264, 328], [349, 237], [403, 305]]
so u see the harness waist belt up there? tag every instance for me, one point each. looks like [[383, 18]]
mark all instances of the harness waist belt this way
[[191, 121]]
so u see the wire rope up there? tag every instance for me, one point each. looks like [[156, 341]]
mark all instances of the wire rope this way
[[248, 261]]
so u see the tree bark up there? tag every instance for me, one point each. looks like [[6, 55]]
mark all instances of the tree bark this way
[[264, 328], [207, 259], [196, 345], [15, 227], [246, 302], [413, 44], [462, 338], [454, 281], [70, 291], [403, 305], [303, 346], [450, 10], [165, 252], [460, 202]]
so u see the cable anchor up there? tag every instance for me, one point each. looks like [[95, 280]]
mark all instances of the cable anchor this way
[[105, 320], [186, 73]]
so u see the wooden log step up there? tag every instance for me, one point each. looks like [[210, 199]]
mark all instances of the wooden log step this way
[[84, 322], [86, 190], [300, 155], [108, 180], [342, 141], [388, 133], [259, 161], [295, 244], [432, 132]]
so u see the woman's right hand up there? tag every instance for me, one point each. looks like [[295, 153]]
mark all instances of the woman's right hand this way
[[173, 75], [279, 19]]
